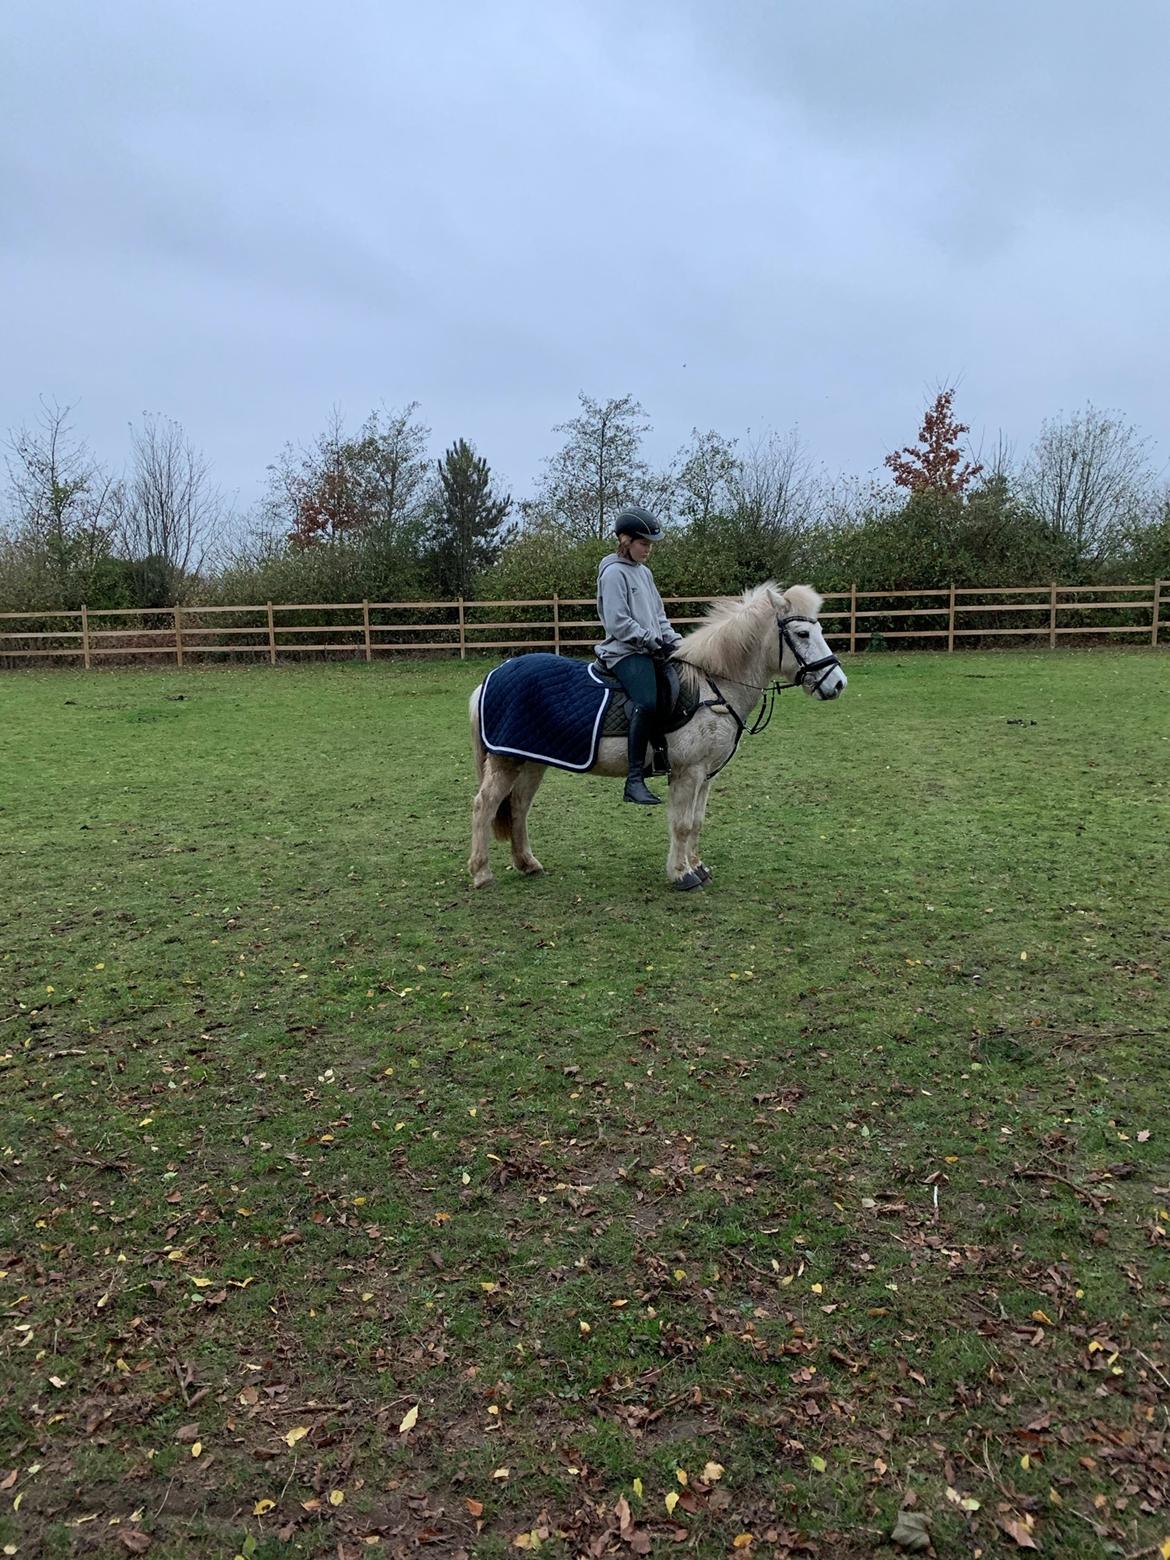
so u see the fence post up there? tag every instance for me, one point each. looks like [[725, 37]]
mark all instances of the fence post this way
[[1052, 617], [462, 631], [271, 637], [1155, 624], [853, 618], [178, 611], [366, 629], [85, 635], [951, 620], [556, 623]]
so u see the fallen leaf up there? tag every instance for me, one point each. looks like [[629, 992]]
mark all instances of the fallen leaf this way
[[911, 1531], [671, 1502], [474, 1507], [501, 1473], [638, 1488], [187, 1434], [409, 1420], [134, 1540], [197, 1449], [296, 1435], [263, 1506], [336, 1497], [7, 1480], [712, 1472], [743, 1540], [818, 1463], [1018, 1531]]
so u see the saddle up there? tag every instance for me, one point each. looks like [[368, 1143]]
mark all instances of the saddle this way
[[675, 708]]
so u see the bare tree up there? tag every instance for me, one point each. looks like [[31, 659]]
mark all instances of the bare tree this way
[[1088, 478], [174, 514], [64, 506], [706, 470], [345, 487], [597, 470]]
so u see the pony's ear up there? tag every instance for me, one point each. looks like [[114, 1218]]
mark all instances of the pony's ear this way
[[803, 601]]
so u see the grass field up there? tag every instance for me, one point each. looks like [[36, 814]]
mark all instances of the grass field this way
[[347, 1211]]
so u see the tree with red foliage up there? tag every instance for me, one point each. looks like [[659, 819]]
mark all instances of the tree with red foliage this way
[[934, 465]]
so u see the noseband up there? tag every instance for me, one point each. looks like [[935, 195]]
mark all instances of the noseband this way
[[806, 668]]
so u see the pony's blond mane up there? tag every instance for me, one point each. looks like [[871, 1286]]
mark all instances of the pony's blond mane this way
[[738, 630]]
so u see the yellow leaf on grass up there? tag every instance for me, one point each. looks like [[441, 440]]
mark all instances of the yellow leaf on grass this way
[[818, 1463], [196, 1448], [742, 1540], [671, 1502], [202, 1283], [1164, 1549], [681, 1475], [409, 1420], [262, 1506], [712, 1472], [296, 1435], [336, 1497]]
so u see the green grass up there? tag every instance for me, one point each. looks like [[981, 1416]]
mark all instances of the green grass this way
[[848, 1174]]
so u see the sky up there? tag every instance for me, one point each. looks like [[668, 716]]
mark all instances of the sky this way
[[748, 215]]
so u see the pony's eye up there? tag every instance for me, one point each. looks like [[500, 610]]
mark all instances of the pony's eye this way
[[802, 633]]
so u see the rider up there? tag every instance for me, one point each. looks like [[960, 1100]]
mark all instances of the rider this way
[[636, 630]]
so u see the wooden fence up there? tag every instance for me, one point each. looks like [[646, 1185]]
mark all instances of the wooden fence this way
[[853, 620]]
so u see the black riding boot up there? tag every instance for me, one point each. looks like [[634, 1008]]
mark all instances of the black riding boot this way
[[636, 787]]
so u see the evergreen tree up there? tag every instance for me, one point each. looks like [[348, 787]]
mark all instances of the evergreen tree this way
[[468, 517]]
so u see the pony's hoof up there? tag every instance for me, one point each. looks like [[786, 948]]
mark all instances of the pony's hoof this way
[[688, 881], [532, 868], [702, 873], [482, 879]]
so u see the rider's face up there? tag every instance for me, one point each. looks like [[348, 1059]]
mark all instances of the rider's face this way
[[640, 549]]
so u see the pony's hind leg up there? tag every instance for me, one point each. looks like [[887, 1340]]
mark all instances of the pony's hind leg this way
[[522, 793], [490, 813]]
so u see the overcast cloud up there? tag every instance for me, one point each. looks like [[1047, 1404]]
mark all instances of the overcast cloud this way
[[744, 214]]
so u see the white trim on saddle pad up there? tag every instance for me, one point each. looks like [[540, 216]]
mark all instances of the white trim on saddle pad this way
[[543, 758]]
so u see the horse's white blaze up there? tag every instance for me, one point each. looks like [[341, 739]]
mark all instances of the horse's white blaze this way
[[740, 650]]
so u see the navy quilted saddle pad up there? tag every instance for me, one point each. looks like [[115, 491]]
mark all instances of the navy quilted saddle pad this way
[[548, 708]]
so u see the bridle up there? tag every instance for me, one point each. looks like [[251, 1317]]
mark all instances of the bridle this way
[[805, 669]]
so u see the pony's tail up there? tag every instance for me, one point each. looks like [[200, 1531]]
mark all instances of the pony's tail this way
[[502, 822]]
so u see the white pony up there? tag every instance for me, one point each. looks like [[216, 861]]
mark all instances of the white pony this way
[[729, 662]]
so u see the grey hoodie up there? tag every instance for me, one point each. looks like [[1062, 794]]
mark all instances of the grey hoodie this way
[[630, 610]]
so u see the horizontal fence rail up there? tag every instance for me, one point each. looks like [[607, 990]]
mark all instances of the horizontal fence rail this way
[[854, 620]]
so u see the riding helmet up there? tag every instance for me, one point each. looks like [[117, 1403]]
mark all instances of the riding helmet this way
[[638, 523]]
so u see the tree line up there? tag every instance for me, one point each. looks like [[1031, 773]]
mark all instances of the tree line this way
[[370, 512]]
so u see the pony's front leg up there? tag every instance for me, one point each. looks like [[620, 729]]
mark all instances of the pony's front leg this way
[[685, 786], [522, 793], [694, 860]]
